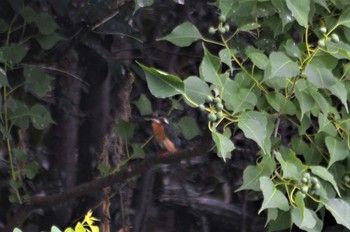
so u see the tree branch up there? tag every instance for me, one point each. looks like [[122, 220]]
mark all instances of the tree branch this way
[[121, 176]]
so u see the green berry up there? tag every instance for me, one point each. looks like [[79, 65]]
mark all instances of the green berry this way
[[335, 37], [321, 43], [227, 27], [222, 18], [314, 180], [201, 107], [317, 186], [212, 30], [219, 115], [304, 189], [219, 107], [304, 180], [212, 117], [209, 99], [222, 30], [323, 30], [346, 179], [303, 195], [307, 175], [217, 100]]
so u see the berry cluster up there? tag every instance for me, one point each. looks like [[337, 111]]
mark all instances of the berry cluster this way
[[222, 29], [308, 184], [334, 37], [214, 103]]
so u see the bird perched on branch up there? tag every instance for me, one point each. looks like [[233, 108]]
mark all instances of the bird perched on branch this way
[[165, 134]]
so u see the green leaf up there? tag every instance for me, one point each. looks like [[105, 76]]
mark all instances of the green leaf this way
[[253, 124], [55, 229], [3, 78], [28, 14], [13, 54], [125, 129], [183, 35], [300, 10], [338, 150], [38, 80], [144, 105], [48, 41], [252, 174], [45, 23], [326, 175], [223, 144], [225, 57], [321, 77], [302, 216], [282, 66], [306, 102], [340, 210], [209, 68], [189, 127], [244, 99], [20, 155], [3, 26], [137, 151], [161, 84], [40, 117], [273, 198], [280, 103], [31, 170], [226, 6], [142, 3], [320, 101], [325, 125], [292, 49], [18, 113], [283, 11], [340, 91], [196, 90], [249, 27], [290, 170], [257, 57], [344, 18], [251, 177], [282, 222]]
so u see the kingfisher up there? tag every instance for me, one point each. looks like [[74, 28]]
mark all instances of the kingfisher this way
[[165, 134]]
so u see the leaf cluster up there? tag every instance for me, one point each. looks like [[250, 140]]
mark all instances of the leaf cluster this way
[[293, 74]]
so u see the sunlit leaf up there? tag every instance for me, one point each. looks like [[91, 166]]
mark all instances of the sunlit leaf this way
[[209, 68], [183, 35], [344, 18], [257, 57], [162, 84], [253, 124], [273, 198], [323, 173], [321, 77], [196, 90], [338, 150], [300, 10], [223, 144], [340, 209], [282, 66]]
